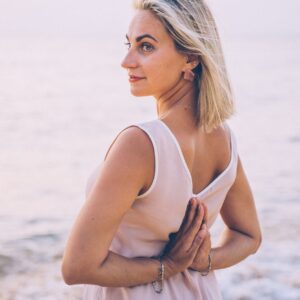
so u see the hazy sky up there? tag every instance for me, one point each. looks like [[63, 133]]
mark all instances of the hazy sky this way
[[57, 17]]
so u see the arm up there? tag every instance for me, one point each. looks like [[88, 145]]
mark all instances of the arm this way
[[86, 257], [120, 271], [242, 235]]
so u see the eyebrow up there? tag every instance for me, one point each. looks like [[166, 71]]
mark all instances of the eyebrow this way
[[146, 35]]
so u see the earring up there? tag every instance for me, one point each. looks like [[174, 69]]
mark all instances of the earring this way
[[189, 75]]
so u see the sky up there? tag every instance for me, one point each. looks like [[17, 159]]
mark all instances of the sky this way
[[99, 17]]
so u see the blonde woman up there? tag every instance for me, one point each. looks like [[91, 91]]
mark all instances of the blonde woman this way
[[143, 232]]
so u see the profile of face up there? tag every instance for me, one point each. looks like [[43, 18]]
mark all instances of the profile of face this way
[[151, 56]]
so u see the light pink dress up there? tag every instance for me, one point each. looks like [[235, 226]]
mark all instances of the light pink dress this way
[[145, 229]]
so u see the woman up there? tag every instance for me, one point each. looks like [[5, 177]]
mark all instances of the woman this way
[[138, 234]]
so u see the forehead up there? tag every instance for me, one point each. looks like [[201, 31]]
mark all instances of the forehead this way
[[144, 21]]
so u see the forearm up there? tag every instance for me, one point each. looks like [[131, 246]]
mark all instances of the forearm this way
[[233, 248], [120, 271]]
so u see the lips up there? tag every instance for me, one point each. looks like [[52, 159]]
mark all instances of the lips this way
[[133, 78]]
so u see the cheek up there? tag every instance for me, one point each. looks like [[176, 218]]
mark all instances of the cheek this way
[[169, 72], [163, 73]]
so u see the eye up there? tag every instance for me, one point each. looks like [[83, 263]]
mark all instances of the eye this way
[[147, 47]]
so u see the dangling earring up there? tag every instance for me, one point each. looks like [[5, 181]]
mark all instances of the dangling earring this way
[[189, 75]]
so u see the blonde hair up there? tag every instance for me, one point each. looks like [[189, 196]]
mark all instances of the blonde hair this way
[[192, 27]]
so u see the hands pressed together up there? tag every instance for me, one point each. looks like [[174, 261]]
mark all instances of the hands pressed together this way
[[190, 246]]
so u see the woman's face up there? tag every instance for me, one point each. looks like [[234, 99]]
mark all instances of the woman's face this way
[[151, 56]]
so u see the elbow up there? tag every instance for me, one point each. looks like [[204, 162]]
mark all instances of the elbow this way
[[72, 274], [68, 275], [257, 243], [75, 271]]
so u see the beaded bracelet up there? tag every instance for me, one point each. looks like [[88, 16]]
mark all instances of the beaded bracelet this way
[[209, 267], [160, 280]]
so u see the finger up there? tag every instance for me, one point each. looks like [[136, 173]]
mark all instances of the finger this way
[[184, 220], [196, 244], [190, 229], [195, 225], [206, 246], [205, 212], [203, 248], [198, 219], [191, 213], [188, 207], [203, 232], [204, 229]]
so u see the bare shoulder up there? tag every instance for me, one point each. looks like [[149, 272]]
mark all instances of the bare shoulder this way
[[131, 154], [220, 145], [221, 134], [133, 142]]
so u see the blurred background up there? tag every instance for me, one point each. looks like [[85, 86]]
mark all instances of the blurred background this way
[[64, 97]]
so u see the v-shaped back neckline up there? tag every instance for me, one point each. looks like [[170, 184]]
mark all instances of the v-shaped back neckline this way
[[214, 181]]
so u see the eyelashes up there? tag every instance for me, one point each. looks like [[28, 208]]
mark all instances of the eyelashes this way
[[145, 47], [127, 44]]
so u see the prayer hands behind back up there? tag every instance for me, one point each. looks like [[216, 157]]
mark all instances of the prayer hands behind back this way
[[200, 259]]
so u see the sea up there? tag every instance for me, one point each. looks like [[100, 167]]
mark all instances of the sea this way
[[63, 99]]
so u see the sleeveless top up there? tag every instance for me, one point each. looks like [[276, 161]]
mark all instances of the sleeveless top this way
[[145, 228]]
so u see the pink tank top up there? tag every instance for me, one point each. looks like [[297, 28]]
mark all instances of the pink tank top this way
[[145, 228]]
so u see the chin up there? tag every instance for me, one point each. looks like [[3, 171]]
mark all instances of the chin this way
[[139, 92]]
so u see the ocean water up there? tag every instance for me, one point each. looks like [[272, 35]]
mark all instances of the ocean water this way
[[63, 100]]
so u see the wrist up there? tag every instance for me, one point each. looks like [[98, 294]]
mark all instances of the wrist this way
[[170, 268], [209, 267], [158, 284], [212, 257]]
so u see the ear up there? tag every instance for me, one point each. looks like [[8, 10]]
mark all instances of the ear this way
[[192, 61]]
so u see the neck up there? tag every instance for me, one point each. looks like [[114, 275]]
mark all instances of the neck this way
[[177, 102]]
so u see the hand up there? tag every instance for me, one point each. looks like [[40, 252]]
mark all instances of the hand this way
[[200, 262], [180, 252]]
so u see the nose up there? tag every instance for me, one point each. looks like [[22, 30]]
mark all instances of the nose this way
[[129, 61]]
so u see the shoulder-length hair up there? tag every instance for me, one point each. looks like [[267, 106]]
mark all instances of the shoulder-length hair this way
[[193, 29]]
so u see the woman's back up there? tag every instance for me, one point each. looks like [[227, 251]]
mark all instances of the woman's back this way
[[206, 155], [155, 214]]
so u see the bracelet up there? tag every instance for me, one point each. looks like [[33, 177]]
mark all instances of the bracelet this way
[[209, 267], [159, 281]]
